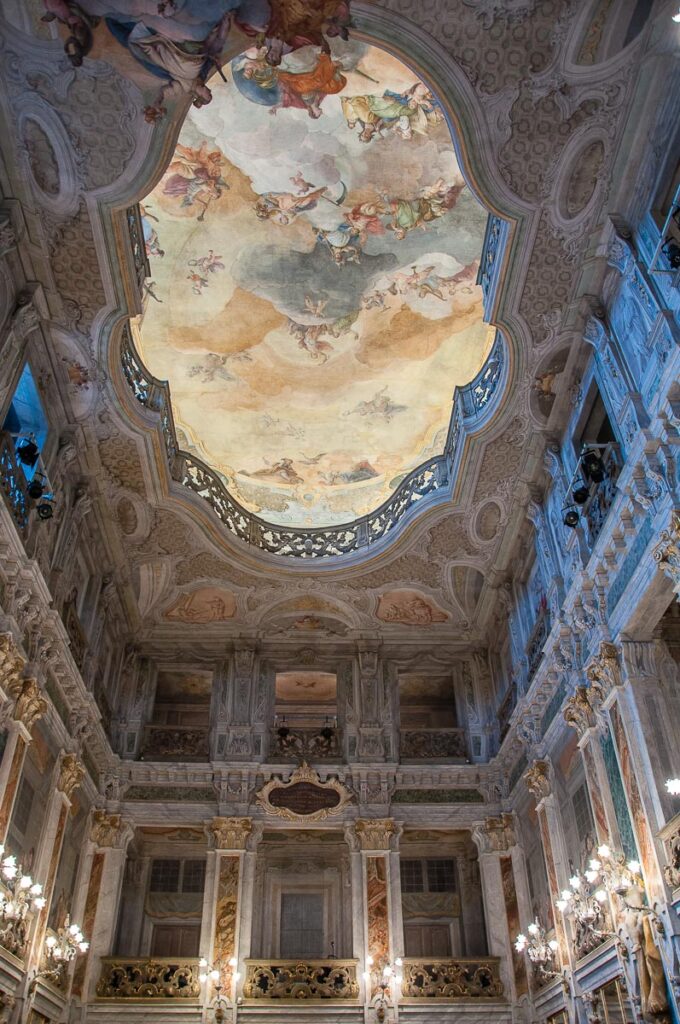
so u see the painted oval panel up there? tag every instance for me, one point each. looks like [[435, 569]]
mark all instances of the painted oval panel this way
[[314, 255]]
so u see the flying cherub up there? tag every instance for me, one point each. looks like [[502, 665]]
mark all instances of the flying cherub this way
[[315, 307], [300, 183]]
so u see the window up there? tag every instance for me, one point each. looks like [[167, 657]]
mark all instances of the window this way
[[584, 818], [412, 876], [22, 810], [177, 876], [164, 876], [441, 876], [436, 875], [26, 415], [193, 876], [302, 931]]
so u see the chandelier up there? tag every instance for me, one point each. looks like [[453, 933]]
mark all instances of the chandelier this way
[[541, 952], [19, 896]]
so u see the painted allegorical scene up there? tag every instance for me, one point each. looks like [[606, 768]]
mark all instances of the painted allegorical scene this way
[[313, 301]]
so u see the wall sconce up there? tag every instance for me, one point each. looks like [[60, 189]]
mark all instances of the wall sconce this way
[[220, 1004], [541, 953], [21, 896], [389, 985], [61, 948]]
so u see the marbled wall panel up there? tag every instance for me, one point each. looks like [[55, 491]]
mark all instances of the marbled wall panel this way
[[514, 925], [553, 885], [88, 919], [376, 902], [637, 813], [12, 784], [596, 802], [226, 916]]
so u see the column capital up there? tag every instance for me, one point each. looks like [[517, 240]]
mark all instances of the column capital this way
[[604, 670], [538, 779], [495, 835], [582, 709], [30, 704], [376, 834], [110, 831], [12, 664], [71, 774], [229, 833]]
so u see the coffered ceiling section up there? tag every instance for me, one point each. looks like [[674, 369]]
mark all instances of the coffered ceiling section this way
[[314, 253]]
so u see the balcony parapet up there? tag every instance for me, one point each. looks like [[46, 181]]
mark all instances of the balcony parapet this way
[[149, 978], [423, 485], [296, 980], [462, 978], [432, 744], [174, 742], [324, 744]]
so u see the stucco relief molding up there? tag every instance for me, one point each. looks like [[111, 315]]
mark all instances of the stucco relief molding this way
[[538, 779], [581, 711], [12, 663], [229, 833]]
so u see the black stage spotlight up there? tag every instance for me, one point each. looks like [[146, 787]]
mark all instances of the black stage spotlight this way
[[36, 488], [28, 452], [593, 466], [45, 510], [580, 494], [570, 517]]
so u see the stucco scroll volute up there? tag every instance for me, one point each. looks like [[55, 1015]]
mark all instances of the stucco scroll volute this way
[[667, 553], [581, 709]]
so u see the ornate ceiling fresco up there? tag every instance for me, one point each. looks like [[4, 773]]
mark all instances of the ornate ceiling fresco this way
[[312, 393], [314, 252]]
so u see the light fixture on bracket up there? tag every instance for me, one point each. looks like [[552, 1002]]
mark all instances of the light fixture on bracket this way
[[673, 786], [590, 465], [570, 516], [221, 1007], [540, 950], [27, 451], [389, 976]]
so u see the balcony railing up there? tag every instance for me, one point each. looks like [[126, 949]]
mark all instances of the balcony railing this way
[[320, 744], [325, 542], [432, 744], [451, 979], [174, 742], [145, 978], [13, 482], [297, 980], [136, 233]]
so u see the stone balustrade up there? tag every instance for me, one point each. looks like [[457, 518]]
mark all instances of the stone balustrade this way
[[149, 978], [313, 744], [451, 979], [301, 979], [174, 743]]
